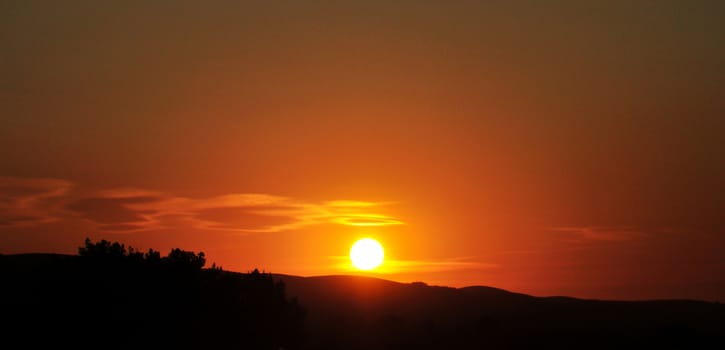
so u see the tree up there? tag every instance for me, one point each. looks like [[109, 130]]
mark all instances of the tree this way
[[186, 260]]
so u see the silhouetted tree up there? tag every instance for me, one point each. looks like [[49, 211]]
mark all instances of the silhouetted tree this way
[[103, 249], [186, 260], [152, 257], [198, 307]]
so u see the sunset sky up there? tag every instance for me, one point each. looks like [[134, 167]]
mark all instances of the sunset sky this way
[[544, 147]]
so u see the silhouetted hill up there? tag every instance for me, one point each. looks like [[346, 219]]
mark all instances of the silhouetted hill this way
[[134, 300], [117, 299], [349, 312]]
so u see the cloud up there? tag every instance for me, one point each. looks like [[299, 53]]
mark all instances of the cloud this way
[[400, 266], [593, 233], [231, 218], [113, 210], [390, 266], [34, 201], [27, 202], [129, 209], [365, 219]]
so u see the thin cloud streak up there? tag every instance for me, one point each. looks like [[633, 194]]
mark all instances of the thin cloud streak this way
[[292, 213], [391, 266], [400, 266], [34, 201], [29, 202]]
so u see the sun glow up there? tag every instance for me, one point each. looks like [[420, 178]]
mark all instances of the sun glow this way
[[366, 254]]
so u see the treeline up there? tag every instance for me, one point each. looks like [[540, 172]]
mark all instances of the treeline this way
[[113, 297], [108, 254]]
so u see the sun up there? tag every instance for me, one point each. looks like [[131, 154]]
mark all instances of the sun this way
[[366, 254]]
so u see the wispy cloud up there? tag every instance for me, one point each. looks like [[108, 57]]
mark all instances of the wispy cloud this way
[[437, 265], [137, 209], [405, 266], [594, 233], [26, 202], [34, 201]]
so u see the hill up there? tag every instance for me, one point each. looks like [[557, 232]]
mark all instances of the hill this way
[[52, 300], [349, 312], [126, 300]]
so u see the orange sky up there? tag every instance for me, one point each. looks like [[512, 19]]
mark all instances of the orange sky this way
[[550, 149]]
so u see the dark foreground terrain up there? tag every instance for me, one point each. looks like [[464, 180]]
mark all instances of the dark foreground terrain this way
[[111, 298], [106, 299], [347, 312]]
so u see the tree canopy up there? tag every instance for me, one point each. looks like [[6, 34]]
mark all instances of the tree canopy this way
[[111, 296]]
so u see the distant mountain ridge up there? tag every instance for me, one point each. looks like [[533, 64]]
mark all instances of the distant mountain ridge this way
[[355, 312], [386, 314]]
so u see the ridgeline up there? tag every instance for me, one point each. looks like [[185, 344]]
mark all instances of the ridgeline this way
[[111, 297]]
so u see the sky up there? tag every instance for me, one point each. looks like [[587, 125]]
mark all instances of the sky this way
[[549, 148]]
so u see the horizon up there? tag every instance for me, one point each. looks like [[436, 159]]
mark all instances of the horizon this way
[[381, 277], [567, 148]]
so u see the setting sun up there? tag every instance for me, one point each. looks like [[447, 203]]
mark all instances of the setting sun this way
[[366, 254]]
